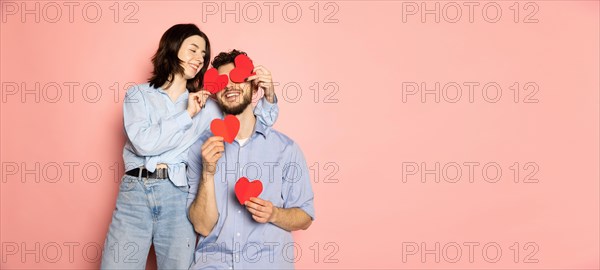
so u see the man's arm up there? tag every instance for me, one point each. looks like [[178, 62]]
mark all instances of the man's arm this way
[[203, 211], [289, 219]]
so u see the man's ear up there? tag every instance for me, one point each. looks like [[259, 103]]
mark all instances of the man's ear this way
[[254, 91], [254, 88]]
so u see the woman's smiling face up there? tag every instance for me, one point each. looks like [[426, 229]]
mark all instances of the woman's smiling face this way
[[191, 54]]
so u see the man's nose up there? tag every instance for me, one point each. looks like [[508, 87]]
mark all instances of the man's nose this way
[[230, 85]]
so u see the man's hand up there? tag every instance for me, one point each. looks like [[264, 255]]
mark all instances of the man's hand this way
[[196, 102], [262, 211], [264, 81], [212, 150]]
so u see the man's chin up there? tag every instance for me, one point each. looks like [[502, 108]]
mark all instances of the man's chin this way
[[231, 104], [235, 110]]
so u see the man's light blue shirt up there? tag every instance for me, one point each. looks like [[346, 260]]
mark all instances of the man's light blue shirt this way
[[159, 130], [237, 241]]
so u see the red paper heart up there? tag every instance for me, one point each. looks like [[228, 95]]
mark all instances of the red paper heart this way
[[243, 69], [213, 82], [227, 128], [245, 189]]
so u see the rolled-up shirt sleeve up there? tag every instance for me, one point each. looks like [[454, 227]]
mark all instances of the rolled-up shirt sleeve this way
[[297, 190], [267, 112]]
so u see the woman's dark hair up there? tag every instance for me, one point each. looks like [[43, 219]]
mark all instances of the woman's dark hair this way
[[167, 63]]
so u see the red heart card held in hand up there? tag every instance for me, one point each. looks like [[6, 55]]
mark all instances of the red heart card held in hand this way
[[227, 128], [245, 189], [243, 69], [213, 82]]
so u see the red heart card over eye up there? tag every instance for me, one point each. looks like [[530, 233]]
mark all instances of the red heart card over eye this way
[[245, 189], [213, 82], [243, 69], [227, 128]]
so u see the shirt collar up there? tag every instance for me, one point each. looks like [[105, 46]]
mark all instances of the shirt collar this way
[[183, 96]]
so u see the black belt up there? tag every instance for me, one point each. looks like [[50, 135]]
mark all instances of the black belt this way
[[159, 173]]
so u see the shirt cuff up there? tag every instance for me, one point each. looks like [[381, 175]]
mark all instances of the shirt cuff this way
[[264, 105], [267, 104], [309, 209]]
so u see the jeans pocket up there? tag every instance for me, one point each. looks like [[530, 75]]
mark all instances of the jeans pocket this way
[[127, 183], [185, 188]]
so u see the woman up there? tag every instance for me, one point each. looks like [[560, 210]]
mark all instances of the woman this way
[[162, 118]]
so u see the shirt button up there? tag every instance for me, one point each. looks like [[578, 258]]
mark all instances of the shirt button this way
[[239, 211], [238, 234]]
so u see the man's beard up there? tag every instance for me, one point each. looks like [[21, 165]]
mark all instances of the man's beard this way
[[237, 109]]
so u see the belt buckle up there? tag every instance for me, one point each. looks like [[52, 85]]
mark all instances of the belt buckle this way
[[161, 173], [158, 174]]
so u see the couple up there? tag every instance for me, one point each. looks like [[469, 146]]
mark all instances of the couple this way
[[179, 178]]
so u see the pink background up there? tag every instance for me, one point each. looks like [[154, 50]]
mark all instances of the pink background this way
[[363, 140]]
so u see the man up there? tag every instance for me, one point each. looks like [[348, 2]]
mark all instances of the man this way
[[256, 235]]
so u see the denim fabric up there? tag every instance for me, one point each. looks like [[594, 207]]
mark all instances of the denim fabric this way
[[149, 211]]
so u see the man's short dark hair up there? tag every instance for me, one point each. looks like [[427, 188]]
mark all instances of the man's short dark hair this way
[[225, 58]]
